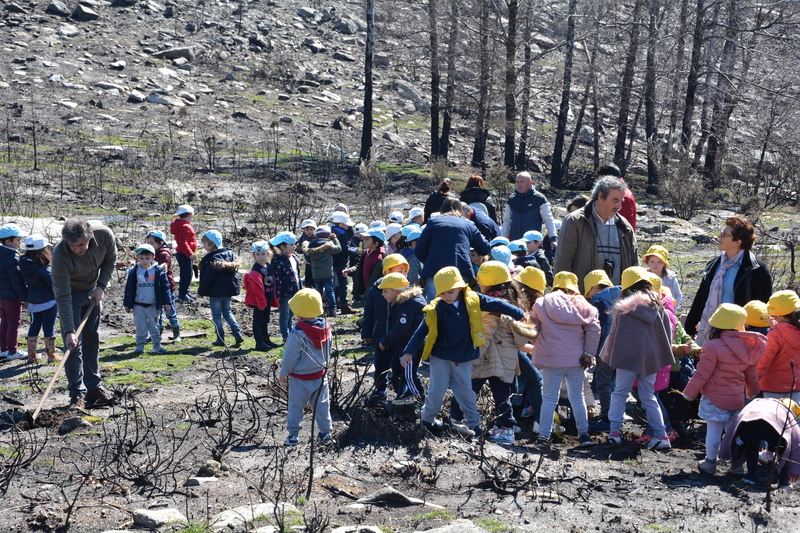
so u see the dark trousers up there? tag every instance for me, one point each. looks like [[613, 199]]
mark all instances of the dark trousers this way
[[752, 433], [44, 321], [604, 384], [399, 381], [501, 392], [530, 384], [341, 287], [261, 323], [83, 365], [383, 365], [185, 268]]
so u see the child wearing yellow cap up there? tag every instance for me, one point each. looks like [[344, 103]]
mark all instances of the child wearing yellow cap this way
[[726, 370], [304, 365], [657, 261], [779, 369], [450, 336], [531, 284], [405, 316]]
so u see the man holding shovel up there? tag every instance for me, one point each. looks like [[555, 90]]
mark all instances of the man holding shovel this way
[[82, 266]]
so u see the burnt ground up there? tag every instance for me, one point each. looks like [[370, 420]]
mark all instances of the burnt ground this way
[[177, 412]]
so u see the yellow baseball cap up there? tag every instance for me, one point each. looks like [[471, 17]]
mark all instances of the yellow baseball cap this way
[[757, 314], [533, 278], [566, 280], [729, 316], [633, 275], [447, 279], [306, 303], [783, 303], [792, 405], [656, 281], [493, 273], [657, 251], [596, 277], [393, 260], [395, 280]]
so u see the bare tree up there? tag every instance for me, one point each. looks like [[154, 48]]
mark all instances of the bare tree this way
[[511, 84], [366, 131], [626, 87], [557, 171], [482, 118]]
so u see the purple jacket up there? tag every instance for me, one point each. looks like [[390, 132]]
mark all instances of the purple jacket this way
[[568, 327]]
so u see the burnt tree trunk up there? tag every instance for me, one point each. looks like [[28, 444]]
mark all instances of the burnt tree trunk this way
[[557, 171], [366, 129]]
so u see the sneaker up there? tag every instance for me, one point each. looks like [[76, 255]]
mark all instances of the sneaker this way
[[407, 398], [748, 481], [738, 471], [673, 435], [183, 299], [434, 427], [160, 350], [586, 441], [527, 412], [680, 428], [786, 487], [461, 429], [614, 438], [707, 467], [139, 349], [218, 342], [3, 355], [76, 402], [535, 428], [99, 398], [502, 436], [262, 346], [477, 432], [601, 426], [644, 439], [237, 340], [324, 438], [659, 444], [291, 440], [542, 443], [346, 310], [14, 356]]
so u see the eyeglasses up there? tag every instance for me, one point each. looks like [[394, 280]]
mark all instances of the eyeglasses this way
[[722, 234]]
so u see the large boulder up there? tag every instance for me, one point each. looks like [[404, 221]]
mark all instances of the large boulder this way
[[84, 13], [57, 8], [186, 52], [346, 26]]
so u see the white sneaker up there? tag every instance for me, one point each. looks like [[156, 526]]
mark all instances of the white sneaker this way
[[14, 356], [502, 436], [3, 355], [659, 444], [462, 430]]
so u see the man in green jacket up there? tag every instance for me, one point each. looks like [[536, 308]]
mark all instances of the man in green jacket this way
[[82, 266]]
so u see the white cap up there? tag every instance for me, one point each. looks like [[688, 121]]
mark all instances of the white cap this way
[[396, 217], [183, 209], [341, 207], [36, 242], [306, 223], [414, 213], [377, 224], [340, 217], [393, 229], [361, 228]]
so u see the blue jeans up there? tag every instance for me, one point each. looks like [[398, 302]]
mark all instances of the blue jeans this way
[[430, 289], [185, 280], [341, 287], [551, 389], [172, 315], [325, 287], [285, 317], [44, 321], [83, 365], [530, 384], [221, 308]]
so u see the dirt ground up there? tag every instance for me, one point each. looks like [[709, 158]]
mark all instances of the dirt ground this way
[[176, 415]]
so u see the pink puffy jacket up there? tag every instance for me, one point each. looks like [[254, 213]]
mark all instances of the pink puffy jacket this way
[[727, 366], [568, 327]]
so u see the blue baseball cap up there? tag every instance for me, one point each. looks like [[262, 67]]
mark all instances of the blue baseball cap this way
[[499, 240], [378, 234], [502, 253], [214, 236], [533, 236], [413, 236], [518, 246], [10, 230], [284, 237], [146, 248], [408, 230], [260, 246], [158, 234]]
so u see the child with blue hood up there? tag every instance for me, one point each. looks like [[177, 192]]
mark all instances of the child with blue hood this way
[[602, 294]]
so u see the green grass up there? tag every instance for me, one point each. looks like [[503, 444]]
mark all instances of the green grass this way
[[631, 461], [495, 526], [195, 527], [7, 451], [439, 514], [136, 378], [656, 527], [401, 168]]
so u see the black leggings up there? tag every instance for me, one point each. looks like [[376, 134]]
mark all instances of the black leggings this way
[[752, 433]]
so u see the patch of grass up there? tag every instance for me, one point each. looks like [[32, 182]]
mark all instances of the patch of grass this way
[[404, 168], [439, 514], [137, 378], [495, 526], [386, 529], [356, 353], [631, 461], [95, 419], [7, 451], [195, 527]]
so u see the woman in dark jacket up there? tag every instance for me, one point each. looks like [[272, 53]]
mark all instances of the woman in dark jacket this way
[[476, 193], [446, 241], [736, 276], [434, 201]]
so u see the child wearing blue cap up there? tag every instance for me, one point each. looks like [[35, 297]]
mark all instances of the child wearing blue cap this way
[[158, 240], [12, 291], [286, 270], [146, 293], [219, 280], [414, 264], [260, 286]]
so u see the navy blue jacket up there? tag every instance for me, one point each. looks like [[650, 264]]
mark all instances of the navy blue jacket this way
[[218, 275], [376, 313], [604, 302], [526, 214], [454, 339], [405, 316], [480, 195], [537, 260], [12, 286], [161, 285], [343, 258], [488, 227], [38, 281], [446, 241]]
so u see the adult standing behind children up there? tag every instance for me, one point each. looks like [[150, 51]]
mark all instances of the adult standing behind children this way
[[82, 266], [527, 209], [185, 249], [597, 236], [434, 201], [736, 276], [446, 241], [477, 196]]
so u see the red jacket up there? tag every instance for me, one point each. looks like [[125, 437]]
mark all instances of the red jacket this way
[[254, 285], [164, 257], [775, 372], [727, 366], [628, 209], [185, 237]]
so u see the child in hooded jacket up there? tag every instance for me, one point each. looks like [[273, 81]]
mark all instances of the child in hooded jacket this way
[[321, 250], [569, 333], [727, 368], [219, 280], [12, 291], [286, 270], [37, 273], [451, 335], [158, 241], [638, 346], [260, 286], [412, 235], [186, 247], [779, 369]]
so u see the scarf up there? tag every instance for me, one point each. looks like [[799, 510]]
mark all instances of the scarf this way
[[715, 294]]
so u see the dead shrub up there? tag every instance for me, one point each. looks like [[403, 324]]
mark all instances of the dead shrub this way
[[684, 189]]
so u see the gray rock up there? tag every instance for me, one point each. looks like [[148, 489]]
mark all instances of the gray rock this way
[[135, 97], [187, 52], [103, 116], [56, 78], [240, 68], [325, 16], [308, 12], [155, 98], [125, 3], [117, 65], [157, 518], [67, 30], [393, 138], [15, 8], [543, 41], [234, 518], [657, 229], [381, 59], [197, 481], [314, 45], [84, 13], [57, 8], [71, 424], [213, 468], [284, 97], [459, 526], [586, 135], [357, 529], [346, 26], [179, 62], [189, 97], [703, 239], [341, 56], [109, 86], [287, 120], [331, 96]]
